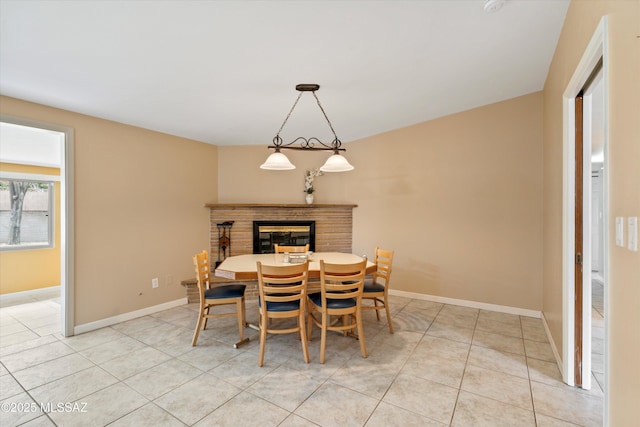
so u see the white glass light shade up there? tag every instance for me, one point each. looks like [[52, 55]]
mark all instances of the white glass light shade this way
[[277, 162], [336, 163]]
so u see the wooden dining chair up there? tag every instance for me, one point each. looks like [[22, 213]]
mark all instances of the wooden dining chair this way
[[376, 288], [340, 295], [282, 293], [279, 249], [212, 296]]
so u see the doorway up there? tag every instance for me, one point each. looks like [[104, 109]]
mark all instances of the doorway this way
[[66, 215], [595, 129], [590, 83]]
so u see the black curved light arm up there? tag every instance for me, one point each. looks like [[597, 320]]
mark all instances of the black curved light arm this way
[[302, 142]]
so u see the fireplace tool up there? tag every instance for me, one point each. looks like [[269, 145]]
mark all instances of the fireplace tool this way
[[224, 240]]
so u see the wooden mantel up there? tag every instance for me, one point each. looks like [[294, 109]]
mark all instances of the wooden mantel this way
[[334, 223], [281, 205]]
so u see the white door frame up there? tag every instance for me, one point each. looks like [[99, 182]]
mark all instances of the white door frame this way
[[596, 49], [66, 218]]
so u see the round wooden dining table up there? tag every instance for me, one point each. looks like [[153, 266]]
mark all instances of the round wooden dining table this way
[[244, 267]]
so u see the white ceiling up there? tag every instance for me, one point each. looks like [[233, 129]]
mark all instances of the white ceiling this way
[[224, 72]]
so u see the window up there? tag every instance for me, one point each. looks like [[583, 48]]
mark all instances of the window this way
[[26, 214]]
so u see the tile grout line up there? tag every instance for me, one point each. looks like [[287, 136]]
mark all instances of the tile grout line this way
[[464, 371], [405, 362], [526, 361]]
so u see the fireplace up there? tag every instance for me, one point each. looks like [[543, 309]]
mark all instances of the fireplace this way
[[333, 224], [294, 233]]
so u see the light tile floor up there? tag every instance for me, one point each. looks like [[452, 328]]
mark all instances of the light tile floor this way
[[446, 365], [597, 334]]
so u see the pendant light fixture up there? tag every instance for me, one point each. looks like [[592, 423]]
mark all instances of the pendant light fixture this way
[[278, 161]]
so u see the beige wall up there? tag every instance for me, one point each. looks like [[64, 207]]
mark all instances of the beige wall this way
[[623, 310], [17, 272], [139, 212], [459, 199]]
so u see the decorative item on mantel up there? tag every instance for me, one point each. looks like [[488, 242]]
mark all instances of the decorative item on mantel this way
[[224, 240], [309, 176]]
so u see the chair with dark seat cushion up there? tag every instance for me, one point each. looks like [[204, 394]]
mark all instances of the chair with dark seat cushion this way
[[212, 296], [376, 288], [340, 295], [282, 294]]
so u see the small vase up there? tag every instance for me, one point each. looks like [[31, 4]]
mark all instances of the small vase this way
[[309, 198]]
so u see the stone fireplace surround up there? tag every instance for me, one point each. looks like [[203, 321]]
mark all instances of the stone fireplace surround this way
[[334, 224], [334, 229]]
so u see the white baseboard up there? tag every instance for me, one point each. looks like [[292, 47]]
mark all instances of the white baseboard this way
[[30, 293], [466, 303], [91, 326], [554, 348]]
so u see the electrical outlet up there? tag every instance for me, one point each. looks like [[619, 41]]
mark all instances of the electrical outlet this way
[[620, 231], [632, 230], [154, 282], [169, 280]]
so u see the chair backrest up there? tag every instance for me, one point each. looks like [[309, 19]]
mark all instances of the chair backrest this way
[[203, 271], [282, 283], [342, 281], [291, 249], [383, 260]]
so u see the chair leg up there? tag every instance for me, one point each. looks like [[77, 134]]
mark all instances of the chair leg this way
[[206, 310], [303, 337], [386, 307], [263, 338], [375, 304], [198, 326], [239, 307], [244, 312], [309, 325], [363, 345], [345, 319], [323, 336]]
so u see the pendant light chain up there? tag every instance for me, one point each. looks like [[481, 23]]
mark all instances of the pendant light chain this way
[[287, 118], [336, 141]]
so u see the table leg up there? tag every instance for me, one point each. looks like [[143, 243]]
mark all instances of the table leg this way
[[246, 340]]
